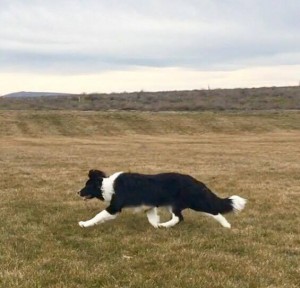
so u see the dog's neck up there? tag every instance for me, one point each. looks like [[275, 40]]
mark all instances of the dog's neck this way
[[107, 187]]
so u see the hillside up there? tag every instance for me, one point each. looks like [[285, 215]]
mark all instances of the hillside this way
[[274, 98], [94, 124]]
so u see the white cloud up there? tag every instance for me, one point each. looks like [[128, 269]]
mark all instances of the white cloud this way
[[90, 37]]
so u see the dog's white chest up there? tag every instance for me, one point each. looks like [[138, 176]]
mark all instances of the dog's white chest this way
[[108, 186]]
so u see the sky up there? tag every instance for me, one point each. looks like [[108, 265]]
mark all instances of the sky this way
[[87, 46]]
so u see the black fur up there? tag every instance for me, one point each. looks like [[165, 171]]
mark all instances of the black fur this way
[[175, 190]]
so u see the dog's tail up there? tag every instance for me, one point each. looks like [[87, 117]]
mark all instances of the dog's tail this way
[[231, 204], [202, 199], [238, 203], [212, 204]]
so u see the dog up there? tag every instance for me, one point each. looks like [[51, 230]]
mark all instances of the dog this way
[[147, 192]]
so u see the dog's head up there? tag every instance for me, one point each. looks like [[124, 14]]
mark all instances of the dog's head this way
[[92, 187]]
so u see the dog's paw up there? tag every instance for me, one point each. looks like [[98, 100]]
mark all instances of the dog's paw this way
[[154, 222], [226, 225], [163, 225], [155, 225], [82, 224]]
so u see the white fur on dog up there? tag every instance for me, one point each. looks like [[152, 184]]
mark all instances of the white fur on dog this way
[[170, 223], [108, 186], [101, 217], [222, 220], [238, 203], [153, 217]]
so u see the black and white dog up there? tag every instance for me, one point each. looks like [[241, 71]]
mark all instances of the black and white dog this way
[[172, 190]]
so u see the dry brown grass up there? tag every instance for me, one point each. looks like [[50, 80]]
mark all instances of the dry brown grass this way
[[41, 244]]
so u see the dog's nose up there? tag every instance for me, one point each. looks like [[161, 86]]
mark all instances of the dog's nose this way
[[78, 193]]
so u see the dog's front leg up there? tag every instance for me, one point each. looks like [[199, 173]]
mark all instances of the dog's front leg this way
[[153, 217], [101, 217]]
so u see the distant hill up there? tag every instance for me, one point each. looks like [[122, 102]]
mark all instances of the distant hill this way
[[240, 99], [24, 94]]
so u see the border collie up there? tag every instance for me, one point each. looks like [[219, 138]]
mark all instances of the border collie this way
[[147, 192]]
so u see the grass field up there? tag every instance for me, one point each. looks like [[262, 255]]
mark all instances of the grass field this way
[[44, 160]]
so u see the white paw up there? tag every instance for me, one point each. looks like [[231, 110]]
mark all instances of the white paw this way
[[155, 221], [227, 225], [82, 224], [155, 225], [163, 225]]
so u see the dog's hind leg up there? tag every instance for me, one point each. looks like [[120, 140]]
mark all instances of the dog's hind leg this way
[[153, 217], [220, 218]]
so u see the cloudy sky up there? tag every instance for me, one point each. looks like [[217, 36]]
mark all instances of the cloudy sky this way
[[104, 46]]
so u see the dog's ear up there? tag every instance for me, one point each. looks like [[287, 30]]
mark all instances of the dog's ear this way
[[96, 174]]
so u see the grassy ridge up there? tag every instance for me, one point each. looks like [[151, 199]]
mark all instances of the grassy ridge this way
[[72, 123]]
